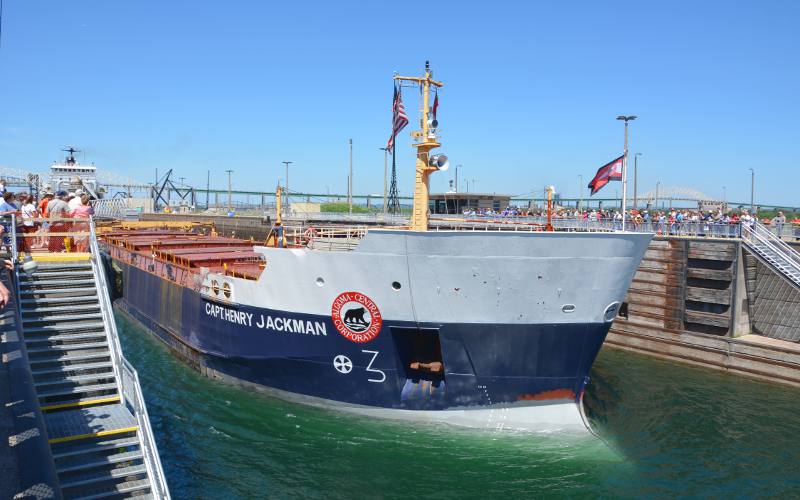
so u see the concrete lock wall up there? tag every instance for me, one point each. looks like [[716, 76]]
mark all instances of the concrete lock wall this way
[[774, 304], [712, 303]]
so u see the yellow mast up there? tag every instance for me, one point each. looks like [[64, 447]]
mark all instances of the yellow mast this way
[[426, 140]]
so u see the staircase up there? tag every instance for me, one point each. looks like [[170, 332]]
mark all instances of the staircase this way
[[773, 251], [94, 413]]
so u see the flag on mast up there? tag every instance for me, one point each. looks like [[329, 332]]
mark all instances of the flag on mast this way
[[611, 171], [435, 105], [399, 117]]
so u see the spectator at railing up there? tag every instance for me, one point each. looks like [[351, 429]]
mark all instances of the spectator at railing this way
[[82, 211], [778, 221], [29, 214], [58, 209]]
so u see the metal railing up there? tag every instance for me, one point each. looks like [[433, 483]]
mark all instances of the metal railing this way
[[759, 236], [708, 229], [127, 378]]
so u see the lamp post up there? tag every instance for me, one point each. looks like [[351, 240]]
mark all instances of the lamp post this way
[[229, 190], [350, 181], [385, 181], [657, 186], [625, 119], [752, 191], [457, 167], [580, 191], [286, 203], [636, 179]]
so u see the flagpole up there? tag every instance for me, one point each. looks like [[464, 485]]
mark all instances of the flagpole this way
[[626, 119]]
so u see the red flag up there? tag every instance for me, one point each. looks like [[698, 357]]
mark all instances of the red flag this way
[[435, 105], [611, 171]]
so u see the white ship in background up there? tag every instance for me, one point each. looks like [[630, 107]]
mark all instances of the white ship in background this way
[[70, 176]]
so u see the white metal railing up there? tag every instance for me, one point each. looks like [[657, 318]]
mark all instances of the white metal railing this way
[[127, 378], [709, 229], [761, 238]]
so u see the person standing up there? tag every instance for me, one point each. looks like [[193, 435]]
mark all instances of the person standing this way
[[58, 209], [29, 214], [779, 220], [82, 211]]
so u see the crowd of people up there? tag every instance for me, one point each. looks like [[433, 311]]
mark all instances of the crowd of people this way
[[672, 221], [45, 223]]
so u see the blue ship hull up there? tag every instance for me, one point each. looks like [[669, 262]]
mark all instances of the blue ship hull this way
[[484, 365]]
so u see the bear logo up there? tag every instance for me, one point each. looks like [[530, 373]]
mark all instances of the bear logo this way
[[356, 317]]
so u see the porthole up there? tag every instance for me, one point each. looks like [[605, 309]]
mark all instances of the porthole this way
[[568, 308], [396, 285], [226, 289], [215, 287], [611, 311], [320, 281]]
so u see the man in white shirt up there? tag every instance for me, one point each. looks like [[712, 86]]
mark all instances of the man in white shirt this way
[[76, 201]]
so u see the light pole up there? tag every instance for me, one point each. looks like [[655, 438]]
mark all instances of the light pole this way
[[286, 208], [457, 167], [724, 195], [636, 179], [626, 119], [657, 185], [580, 191], [752, 191], [350, 181], [385, 180], [229, 191]]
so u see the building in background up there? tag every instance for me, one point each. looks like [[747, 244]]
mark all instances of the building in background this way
[[457, 203]]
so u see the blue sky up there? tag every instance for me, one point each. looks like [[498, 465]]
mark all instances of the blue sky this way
[[531, 91]]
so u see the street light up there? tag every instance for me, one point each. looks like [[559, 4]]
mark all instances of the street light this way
[[287, 163], [752, 191], [626, 119], [229, 191], [580, 190], [636, 179], [457, 167]]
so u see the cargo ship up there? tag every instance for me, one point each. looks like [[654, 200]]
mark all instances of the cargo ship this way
[[488, 329]]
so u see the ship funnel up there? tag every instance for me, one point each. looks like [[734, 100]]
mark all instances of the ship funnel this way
[[439, 162]]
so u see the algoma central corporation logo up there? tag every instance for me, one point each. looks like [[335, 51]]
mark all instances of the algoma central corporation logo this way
[[356, 317]]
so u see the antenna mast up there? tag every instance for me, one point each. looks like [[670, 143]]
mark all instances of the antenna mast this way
[[425, 141]]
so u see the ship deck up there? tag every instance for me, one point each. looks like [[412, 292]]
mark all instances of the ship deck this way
[[191, 251]]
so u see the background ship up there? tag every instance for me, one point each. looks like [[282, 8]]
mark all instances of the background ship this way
[[70, 176], [481, 328]]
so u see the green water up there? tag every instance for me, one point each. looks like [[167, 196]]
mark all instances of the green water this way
[[668, 430]]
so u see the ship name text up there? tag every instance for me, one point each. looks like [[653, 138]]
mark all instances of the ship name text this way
[[266, 322]]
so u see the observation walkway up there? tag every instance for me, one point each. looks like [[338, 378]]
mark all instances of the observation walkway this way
[[88, 394]]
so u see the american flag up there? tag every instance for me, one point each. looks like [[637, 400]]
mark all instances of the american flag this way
[[399, 117]]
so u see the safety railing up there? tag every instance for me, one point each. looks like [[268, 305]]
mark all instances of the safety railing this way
[[762, 239], [127, 378], [707, 229], [53, 234]]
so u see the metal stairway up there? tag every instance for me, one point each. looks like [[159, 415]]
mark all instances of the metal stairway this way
[[773, 251], [94, 413]]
